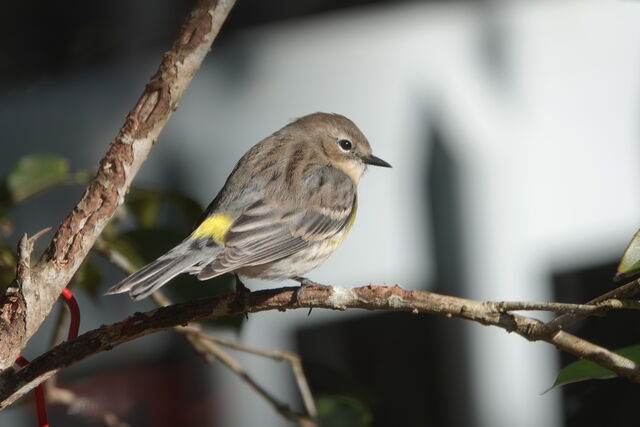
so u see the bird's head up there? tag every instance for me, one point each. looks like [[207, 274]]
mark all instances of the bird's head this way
[[342, 144]]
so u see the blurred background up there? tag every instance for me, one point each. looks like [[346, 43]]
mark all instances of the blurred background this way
[[512, 128]]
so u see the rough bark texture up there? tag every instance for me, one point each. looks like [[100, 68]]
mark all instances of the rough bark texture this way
[[14, 383], [22, 313]]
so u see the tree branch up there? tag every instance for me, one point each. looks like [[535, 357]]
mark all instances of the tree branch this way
[[574, 311], [105, 193], [211, 345], [14, 383], [625, 291]]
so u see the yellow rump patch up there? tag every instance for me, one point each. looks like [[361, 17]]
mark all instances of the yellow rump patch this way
[[215, 227]]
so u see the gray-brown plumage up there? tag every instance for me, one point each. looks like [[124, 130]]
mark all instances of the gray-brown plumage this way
[[286, 206]]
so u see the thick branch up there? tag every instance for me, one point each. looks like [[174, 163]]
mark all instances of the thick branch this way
[[105, 193], [14, 383]]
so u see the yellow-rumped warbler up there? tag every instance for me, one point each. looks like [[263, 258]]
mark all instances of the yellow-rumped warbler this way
[[287, 205]]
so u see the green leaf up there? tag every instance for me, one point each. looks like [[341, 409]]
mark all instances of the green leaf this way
[[586, 370], [34, 173], [88, 277], [343, 411], [630, 262]]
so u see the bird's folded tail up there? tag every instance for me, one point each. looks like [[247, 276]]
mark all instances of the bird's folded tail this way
[[183, 258]]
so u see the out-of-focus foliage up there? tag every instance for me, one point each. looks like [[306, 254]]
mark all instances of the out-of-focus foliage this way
[[343, 411], [146, 204], [586, 370], [630, 263], [89, 277], [35, 173], [150, 223], [30, 175]]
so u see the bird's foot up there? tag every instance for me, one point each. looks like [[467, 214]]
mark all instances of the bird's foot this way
[[304, 284]]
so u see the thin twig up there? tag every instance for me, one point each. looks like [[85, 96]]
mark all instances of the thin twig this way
[[81, 405], [625, 291], [234, 366], [590, 309], [277, 355]]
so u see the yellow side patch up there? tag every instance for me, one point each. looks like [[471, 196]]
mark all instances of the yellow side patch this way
[[337, 239], [215, 226]]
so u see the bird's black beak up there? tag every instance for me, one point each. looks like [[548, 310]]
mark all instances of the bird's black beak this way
[[375, 161]]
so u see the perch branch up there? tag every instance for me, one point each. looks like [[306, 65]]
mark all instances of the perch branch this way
[[14, 383], [22, 314]]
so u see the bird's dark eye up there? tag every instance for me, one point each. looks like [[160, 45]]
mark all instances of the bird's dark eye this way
[[345, 144]]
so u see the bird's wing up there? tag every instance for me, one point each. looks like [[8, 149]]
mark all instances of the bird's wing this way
[[272, 229]]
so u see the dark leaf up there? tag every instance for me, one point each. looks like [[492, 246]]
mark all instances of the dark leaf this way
[[343, 411], [88, 277], [146, 205], [147, 243], [587, 370], [191, 209]]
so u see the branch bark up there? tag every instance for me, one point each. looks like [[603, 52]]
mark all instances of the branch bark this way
[[15, 383], [22, 314]]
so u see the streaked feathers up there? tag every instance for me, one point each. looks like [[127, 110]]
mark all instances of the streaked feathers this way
[[188, 254], [285, 207]]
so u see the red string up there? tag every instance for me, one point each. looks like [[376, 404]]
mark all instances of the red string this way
[[74, 325], [40, 402]]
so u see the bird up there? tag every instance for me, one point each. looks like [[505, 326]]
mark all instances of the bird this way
[[284, 209]]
